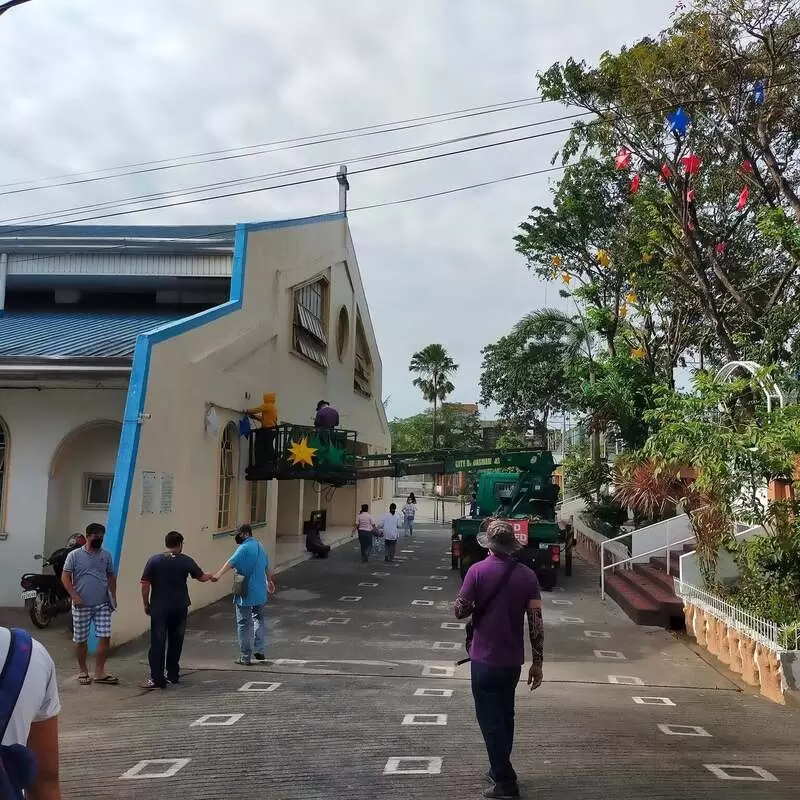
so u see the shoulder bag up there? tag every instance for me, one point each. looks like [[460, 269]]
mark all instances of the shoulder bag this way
[[477, 613]]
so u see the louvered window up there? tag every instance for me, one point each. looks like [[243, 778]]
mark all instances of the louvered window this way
[[362, 372], [310, 336]]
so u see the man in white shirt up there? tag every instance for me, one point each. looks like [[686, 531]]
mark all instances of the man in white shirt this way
[[34, 721], [389, 525]]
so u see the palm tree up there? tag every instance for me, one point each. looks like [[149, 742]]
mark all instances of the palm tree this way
[[433, 366]]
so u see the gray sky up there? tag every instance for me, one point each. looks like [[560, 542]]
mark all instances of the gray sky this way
[[90, 84]]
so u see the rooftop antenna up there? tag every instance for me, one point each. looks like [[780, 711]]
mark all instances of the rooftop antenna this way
[[344, 187]]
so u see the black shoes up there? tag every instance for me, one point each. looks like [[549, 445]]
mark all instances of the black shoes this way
[[503, 791], [259, 657]]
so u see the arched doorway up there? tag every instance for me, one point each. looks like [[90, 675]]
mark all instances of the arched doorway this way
[[81, 475]]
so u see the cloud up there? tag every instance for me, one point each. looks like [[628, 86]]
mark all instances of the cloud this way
[[90, 84]]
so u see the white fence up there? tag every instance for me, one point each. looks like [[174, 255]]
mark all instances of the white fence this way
[[775, 637], [673, 531]]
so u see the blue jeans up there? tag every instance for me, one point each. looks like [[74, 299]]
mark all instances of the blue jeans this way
[[408, 524], [250, 630], [493, 689]]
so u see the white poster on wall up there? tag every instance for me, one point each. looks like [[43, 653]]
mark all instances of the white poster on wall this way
[[167, 481], [149, 491]]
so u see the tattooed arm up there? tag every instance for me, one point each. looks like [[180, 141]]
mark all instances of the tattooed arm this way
[[536, 631], [463, 607]]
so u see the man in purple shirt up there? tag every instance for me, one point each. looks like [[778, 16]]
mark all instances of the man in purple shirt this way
[[497, 650], [327, 417]]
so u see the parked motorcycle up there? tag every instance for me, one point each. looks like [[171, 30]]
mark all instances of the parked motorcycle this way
[[44, 595]]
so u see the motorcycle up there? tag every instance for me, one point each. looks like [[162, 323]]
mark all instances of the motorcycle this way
[[44, 595]]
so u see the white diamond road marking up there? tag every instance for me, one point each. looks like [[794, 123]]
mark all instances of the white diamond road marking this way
[[380, 574], [369, 585], [684, 730], [572, 620], [446, 645], [413, 765], [216, 721], [349, 598], [613, 655], [454, 626], [259, 686], [437, 577], [422, 602], [653, 701], [171, 766], [723, 772], [626, 680], [561, 602], [407, 551], [431, 588], [425, 719], [435, 671], [597, 634], [315, 639], [433, 693]]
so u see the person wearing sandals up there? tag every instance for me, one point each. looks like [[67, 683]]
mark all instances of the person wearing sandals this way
[[252, 585], [90, 580]]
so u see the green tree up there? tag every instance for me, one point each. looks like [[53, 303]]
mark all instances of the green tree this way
[[433, 367], [730, 257], [460, 429], [527, 373]]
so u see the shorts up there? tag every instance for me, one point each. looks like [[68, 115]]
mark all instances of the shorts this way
[[83, 616]]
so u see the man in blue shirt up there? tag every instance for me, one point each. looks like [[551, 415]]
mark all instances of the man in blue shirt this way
[[251, 589]]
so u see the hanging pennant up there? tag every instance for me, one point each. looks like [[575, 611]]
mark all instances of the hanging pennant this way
[[690, 196], [244, 427], [631, 298], [721, 248], [666, 172], [566, 277], [647, 257], [759, 93], [556, 261], [692, 163], [623, 159], [603, 258], [638, 352], [635, 181], [747, 167], [679, 121], [623, 311], [743, 198]]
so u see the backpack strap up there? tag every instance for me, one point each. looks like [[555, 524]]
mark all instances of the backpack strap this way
[[12, 677]]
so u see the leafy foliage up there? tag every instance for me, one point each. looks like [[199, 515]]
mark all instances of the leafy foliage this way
[[458, 430], [433, 367]]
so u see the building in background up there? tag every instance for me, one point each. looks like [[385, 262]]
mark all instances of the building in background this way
[[127, 355]]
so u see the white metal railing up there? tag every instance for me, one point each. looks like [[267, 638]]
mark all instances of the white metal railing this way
[[776, 637], [666, 547]]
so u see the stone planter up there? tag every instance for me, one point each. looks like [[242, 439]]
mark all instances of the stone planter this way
[[771, 670]]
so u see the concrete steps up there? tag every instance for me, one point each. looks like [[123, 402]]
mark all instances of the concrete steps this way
[[647, 591]]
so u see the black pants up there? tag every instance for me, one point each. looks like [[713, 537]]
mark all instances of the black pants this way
[[365, 540], [167, 630], [493, 689], [389, 546]]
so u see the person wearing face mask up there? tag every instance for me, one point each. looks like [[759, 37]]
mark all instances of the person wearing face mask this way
[[252, 585], [89, 578]]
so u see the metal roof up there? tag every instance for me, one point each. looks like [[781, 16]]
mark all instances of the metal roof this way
[[179, 239], [74, 335]]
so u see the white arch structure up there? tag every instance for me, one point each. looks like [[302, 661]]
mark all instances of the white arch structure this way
[[772, 392]]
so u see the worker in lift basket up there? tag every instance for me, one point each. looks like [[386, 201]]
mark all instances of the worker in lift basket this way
[[326, 419]]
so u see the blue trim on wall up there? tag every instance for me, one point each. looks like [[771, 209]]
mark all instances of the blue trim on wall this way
[[125, 471]]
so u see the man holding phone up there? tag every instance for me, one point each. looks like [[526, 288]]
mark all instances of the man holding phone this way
[[498, 593]]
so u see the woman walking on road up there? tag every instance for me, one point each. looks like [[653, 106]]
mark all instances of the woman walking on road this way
[[409, 512], [365, 526]]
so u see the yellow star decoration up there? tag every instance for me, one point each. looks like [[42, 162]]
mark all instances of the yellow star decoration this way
[[301, 453], [647, 257], [631, 298], [638, 352], [603, 258], [623, 311], [566, 277], [556, 261]]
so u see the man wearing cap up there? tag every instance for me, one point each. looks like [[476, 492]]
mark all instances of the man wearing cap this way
[[498, 592]]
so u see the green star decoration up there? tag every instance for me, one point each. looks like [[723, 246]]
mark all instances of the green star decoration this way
[[334, 456]]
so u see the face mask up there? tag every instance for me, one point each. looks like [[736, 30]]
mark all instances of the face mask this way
[[96, 544]]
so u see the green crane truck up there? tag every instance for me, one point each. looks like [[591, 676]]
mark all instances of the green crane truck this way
[[527, 498]]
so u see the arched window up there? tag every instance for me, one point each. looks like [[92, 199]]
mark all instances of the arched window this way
[[4, 448], [228, 477]]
